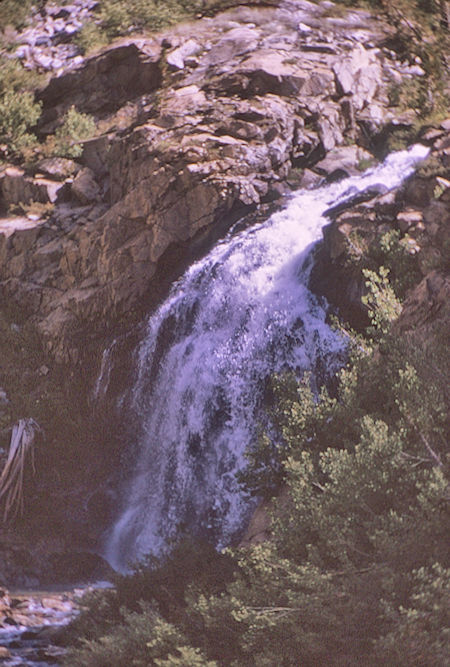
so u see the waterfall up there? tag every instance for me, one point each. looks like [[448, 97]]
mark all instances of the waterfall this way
[[239, 315]]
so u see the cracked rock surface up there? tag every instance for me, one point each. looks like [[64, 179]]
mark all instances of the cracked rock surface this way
[[191, 130]]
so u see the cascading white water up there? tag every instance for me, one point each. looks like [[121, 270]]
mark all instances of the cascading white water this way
[[236, 317]]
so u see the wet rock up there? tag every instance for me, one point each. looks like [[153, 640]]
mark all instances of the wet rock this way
[[423, 220], [430, 300], [30, 634], [310, 179], [346, 160], [408, 218]]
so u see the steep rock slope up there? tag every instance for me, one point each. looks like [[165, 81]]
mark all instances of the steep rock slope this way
[[408, 230], [190, 131]]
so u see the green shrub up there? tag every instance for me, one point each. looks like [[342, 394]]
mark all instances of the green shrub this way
[[18, 114], [143, 638], [382, 303], [399, 254], [118, 18], [18, 109], [420, 632], [14, 77], [90, 38], [355, 572], [14, 12], [69, 137]]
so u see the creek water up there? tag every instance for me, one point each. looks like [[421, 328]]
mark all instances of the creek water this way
[[34, 619], [236, 317]]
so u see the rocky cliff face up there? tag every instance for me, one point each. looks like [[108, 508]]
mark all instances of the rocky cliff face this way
[[195, 127], [190, 130], [410, 226]]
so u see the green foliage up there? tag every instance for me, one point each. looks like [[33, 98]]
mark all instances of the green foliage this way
[[69, 137], [18, 114], [421, 632], [14, 12], [162, 588], [118, 18], [18, 110], [398, 254], [90, 38], [33, 208], [410, 94], [355, 572], [383, 305], [365, 163], [14, 77], [143, 638]]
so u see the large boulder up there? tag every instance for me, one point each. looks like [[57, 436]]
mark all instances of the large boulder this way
[[105, 82]]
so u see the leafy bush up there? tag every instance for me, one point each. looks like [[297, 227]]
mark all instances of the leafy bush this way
[[18, 110], [69, 137], [383, 305], [420, 634], [18, 114], [90, 38], [14, 12], [14, 77], [142, 639], [118, 18]]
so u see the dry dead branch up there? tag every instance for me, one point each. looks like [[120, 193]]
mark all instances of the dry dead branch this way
[[12, 477]]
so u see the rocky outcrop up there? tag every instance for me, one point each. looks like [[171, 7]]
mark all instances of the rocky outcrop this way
[[418, 213], [191, 130], [46, 43]]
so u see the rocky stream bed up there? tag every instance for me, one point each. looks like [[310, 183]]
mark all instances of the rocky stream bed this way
[[30, 622]]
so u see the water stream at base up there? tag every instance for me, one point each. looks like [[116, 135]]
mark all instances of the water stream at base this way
[[241, 314], [29, 622]]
